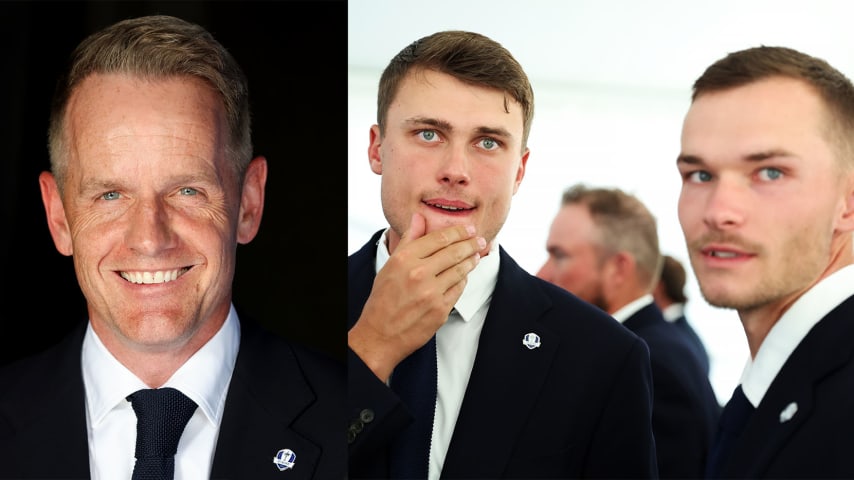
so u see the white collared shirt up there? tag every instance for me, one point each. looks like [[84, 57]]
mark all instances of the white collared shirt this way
[[111, 422], [791, 328], [456, 347], [632, 307]]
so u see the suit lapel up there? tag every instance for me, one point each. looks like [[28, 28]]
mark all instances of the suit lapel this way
[[505, 380], [360, 278], [58, 426], [789, 400], [262, 417]]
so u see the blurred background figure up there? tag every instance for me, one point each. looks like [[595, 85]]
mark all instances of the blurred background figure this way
[[670, 297], [603, 247]]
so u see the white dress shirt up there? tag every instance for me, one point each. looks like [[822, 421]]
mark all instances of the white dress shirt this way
[[204, 378], [632, 307], [791, 328], [456, 347]]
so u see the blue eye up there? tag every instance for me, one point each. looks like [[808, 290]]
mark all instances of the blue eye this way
[[111, 196], [428, 135], [188, 191], [700, 176], [489, 143], [770, 174]]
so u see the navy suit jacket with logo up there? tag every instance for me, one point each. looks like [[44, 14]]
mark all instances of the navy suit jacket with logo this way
[[578, 406], [281, 396], [804, 425], [685, 409]]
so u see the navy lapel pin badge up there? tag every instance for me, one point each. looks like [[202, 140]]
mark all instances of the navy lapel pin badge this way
[[284, 459], [531, 340], [787, 413]]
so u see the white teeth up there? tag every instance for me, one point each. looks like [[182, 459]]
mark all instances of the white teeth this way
[[453, 209], [718, 254], [160, 276]]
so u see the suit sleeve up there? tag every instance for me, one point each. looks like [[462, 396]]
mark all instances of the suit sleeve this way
[[376, 417]]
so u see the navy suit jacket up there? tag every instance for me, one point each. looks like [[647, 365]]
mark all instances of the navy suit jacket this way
[[281, 396], [694, 341], [685, 409], [578, 406], [804, 425]]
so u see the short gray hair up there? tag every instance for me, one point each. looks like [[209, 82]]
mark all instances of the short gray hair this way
[[152, 47]]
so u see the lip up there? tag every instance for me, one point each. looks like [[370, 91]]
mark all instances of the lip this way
[[448, 207], [724, 256]]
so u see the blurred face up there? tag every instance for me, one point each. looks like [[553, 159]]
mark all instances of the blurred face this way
[[573, 262], [450, 152], [151, 211], [761, 193]]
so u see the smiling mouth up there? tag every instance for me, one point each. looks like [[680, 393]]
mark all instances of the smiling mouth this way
[[159, 276], [720, 254], [448, 208]]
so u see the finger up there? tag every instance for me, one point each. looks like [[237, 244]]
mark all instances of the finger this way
[[457, 273], [437, 241], [461, 256]]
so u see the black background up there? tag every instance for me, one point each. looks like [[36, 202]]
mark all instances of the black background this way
[[291, 277]]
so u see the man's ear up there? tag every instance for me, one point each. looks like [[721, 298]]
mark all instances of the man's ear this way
[[622, 267], [847, 219], [55, 210], [252, 200], [520, 170], [374, 150]]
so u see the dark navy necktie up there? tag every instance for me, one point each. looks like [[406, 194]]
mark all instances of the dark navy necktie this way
[[161, 415], [733, 419], [414, 380]]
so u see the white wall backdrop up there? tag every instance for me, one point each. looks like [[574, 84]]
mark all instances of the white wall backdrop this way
[[612, 83]]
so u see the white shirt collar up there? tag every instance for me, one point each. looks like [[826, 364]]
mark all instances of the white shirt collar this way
[[481, 281], [632, 307], [791, 328], [204, 378], [673, 311]]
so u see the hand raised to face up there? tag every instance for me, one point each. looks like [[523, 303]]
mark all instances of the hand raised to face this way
[[413, 293]]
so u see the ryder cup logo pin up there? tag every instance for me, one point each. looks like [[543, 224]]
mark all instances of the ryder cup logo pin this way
[[788, 412], [531, 340], [284, 459]]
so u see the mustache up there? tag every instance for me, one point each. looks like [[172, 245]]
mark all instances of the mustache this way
[[723, 238]]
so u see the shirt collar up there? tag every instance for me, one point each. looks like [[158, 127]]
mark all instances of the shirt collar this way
[[481, 281], [204, 377], [673, 311], [632, 307], [791, 328]]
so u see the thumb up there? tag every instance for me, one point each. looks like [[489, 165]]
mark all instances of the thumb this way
[[417, 228]]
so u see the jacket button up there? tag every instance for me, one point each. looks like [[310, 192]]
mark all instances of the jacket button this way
[[366, 415]]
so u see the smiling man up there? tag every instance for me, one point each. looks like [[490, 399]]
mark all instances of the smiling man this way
[[152, 187], [509, 387], [767, 210]]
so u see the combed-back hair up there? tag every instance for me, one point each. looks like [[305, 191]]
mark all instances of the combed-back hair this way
[[624, 224], [467, 56], [759, 63], [156, 47]]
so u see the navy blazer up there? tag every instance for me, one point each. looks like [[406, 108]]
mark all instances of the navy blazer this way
[[804, 425], [694, 341], [578, 406], [685, 410], [281, 396]]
